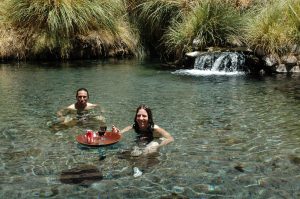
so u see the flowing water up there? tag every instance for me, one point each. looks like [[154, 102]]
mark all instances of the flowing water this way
[[236, 136], [224, 62]]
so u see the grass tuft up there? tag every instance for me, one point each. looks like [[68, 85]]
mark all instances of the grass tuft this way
[[210, 22], [274, 29], [54, 26]]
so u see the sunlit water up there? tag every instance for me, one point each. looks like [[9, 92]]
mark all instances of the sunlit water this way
[[235, 136]]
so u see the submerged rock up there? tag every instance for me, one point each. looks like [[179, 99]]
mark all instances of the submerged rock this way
[[84, 175], [294, 159], [239, 167]]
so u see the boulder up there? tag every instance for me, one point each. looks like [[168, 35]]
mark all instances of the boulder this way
[[281, 68], [289, 60], [295, 69]]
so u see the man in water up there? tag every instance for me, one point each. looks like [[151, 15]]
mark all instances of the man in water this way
[[82, 104], [81, 108]]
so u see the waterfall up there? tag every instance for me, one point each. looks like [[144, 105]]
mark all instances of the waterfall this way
[[221, 61], [216, 63]]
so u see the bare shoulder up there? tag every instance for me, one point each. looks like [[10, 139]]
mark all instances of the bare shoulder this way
[[160, 132], [90, 105], [71, 107], [157, 131], [156, 127]]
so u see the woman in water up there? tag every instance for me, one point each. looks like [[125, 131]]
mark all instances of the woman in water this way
[[146, 131]]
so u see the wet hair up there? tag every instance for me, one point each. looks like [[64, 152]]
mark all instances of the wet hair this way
[[82, 89], [150, 119]]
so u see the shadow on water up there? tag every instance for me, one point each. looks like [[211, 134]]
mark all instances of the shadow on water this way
[[101, 150], [290, 89]]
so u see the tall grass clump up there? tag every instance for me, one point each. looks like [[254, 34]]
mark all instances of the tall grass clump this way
[[152, 17], [273, 29], [9, 44], [210, 22], [56, 26], [294, 19], [157, 14]]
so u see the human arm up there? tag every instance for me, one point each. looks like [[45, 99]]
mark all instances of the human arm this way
[[59, 113], [168, 138], [63, 115], [116, 130], [63, 112], [154, 146]]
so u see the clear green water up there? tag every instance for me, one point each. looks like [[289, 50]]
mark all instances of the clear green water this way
[[235, 136]]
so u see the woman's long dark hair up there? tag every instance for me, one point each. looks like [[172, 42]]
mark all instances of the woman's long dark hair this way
[[150, 119]]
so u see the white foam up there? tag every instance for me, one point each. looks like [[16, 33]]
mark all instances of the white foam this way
[[197, 72]]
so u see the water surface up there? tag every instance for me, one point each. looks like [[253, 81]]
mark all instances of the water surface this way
[[235, 136]]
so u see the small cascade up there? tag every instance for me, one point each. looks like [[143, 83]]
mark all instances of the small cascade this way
[[220, 61]]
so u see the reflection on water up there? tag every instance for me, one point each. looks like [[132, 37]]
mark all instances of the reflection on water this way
[[235, 136]]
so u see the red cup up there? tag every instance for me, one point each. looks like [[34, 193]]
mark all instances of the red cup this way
[[89, 136]]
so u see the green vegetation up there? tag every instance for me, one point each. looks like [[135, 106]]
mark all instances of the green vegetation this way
[[294, 20], [210, 22], [58, 27], [152, 18], [69, 29], [274, 29]]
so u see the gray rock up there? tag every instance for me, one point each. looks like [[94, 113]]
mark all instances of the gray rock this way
[[270, 60], [295, 69], [193, 54], [289, 60], [281, 68]]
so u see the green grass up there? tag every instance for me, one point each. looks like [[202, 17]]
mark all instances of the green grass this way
[[294, 20], [157, 14], [273, 29], [62, 17], [152, 18], [55, 26], [211, 22], [104, 28]]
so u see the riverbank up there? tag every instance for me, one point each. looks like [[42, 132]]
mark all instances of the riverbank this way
[[60, 30]]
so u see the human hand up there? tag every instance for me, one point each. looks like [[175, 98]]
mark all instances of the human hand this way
[[152, 147], [115, 129]]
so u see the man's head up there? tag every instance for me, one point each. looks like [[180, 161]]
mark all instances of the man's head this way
[[82, 96]]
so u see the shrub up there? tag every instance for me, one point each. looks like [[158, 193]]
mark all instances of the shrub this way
[[56, 26], [210, 22], [273, 29]]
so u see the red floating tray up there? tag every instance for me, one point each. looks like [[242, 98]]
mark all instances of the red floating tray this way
[[107, 139]]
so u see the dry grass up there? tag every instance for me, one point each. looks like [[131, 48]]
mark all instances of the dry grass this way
[[211, 22], [66, 29], [272, 30], [102, 43], [54, 28], [10, 45]]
